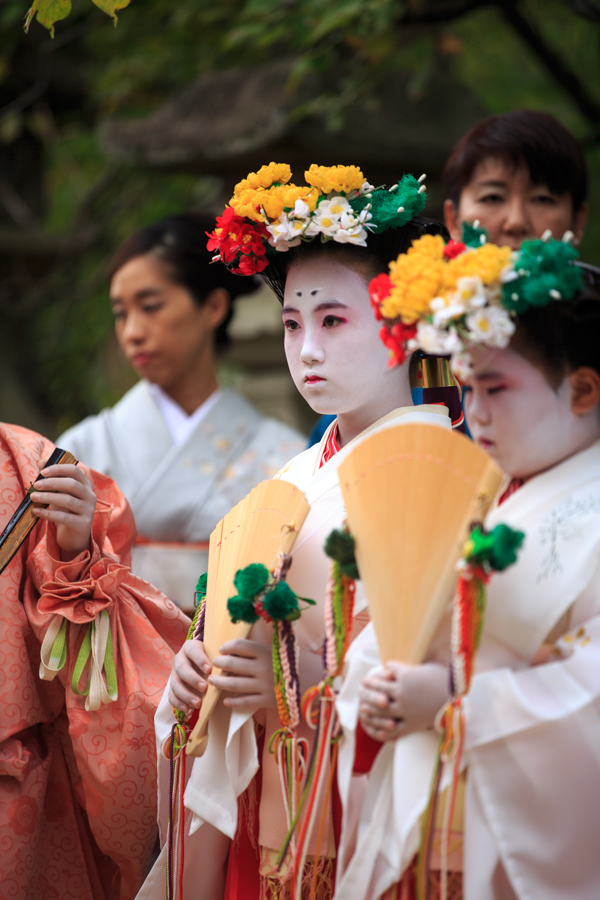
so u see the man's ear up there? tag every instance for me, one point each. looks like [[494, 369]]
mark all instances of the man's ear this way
[[451, 220], [585, 390], [217, 306]]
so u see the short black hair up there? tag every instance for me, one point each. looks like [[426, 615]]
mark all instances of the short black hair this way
[[180, 242], [371, 260], [563, 335], [521, 137]]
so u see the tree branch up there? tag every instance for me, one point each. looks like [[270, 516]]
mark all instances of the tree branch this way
[[559, 70]]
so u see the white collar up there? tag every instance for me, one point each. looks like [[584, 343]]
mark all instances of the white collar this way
[[178, 422]]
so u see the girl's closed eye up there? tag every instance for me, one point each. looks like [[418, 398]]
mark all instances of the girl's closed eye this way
[[491, 198], [496, 389]]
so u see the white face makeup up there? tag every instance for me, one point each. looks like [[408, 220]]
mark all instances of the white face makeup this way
[[332, 344], [515, 415]]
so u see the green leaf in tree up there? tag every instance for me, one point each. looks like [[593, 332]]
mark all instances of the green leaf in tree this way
[[110, 7], [48, 12]]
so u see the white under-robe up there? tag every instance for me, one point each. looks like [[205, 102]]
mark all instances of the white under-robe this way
[[178, 492], [231, 760], [532, 746]]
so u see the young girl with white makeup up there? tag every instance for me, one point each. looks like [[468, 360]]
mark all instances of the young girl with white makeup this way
[[233, 800], [532, 716]]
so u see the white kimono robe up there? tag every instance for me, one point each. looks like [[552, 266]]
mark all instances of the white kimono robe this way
[[178, 493], [231, 760], [532, 747]]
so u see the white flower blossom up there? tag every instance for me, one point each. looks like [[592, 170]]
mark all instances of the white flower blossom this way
[[491, 325], [437, 340], [301, 209]]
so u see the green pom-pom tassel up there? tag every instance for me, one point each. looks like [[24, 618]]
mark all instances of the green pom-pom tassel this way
[[241, 610], [281, 603], [473, 235], [505, 544], [339, 545], [498, 548], [251, 581], [201, 584], [408, 197], [547, 276]]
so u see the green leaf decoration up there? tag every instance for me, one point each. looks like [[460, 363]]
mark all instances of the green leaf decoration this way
[[339, 545], [201, 585], [545, 275], [47, 13], [281, 603], [251, 581], [473, 236], [110, 7], [241, 610]]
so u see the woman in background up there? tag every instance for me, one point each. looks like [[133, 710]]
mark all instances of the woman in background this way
[[182, 449], [519, 174]]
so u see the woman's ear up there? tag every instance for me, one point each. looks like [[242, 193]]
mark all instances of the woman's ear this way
[[217, 306], [451, 220], [585, 390]]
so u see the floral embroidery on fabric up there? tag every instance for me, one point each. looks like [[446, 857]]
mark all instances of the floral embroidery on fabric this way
[[22, 815], [563, 524], [568, 643]]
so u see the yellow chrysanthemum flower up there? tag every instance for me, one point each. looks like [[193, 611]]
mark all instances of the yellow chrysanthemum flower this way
[[341, 179], [264, 178], [486, 261], [416, 278], [291, 192]]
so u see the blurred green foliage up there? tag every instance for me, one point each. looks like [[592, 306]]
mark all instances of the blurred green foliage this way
[[54, 94]]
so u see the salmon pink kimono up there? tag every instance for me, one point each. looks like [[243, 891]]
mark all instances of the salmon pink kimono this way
[[77, 788]]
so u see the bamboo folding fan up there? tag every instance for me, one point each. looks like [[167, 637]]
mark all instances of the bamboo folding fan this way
[[23, 519], [411, 493], [261, 526]]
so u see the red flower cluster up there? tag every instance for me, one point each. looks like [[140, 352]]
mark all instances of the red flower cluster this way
[[453, 249], [379, 288], [241, 245], [395, 337]]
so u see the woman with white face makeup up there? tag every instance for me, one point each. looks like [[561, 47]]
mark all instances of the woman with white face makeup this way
[[340, 366], [524, 333]]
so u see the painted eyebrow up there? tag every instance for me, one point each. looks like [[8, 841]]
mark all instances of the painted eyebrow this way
[[488, 376], [327, 304]]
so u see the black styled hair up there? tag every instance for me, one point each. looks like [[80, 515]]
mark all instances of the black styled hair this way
[[521, 137], [563, 335], [369, 261], [180, 241]]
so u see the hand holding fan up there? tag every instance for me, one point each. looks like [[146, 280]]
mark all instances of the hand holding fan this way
[[262, 525]]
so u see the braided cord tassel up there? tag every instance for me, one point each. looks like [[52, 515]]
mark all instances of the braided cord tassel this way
[[483, 554], [173, 749]]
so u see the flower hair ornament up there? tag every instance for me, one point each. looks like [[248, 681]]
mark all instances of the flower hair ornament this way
[[443, 298], [268, 213]]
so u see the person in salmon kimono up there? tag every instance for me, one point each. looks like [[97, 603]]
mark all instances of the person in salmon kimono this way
[[85, 651], [526, 344], [235, 820]]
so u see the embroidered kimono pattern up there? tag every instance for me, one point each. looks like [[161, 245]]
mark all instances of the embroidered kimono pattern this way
[[178, 492], [77, 788]]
